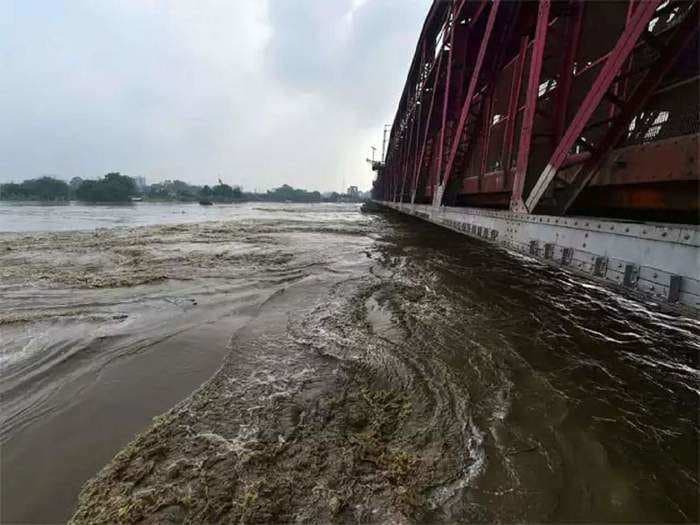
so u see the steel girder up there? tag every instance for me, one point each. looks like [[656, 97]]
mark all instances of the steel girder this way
[[521, 105]]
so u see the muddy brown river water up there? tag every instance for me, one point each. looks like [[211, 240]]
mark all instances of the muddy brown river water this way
[[311, 363]]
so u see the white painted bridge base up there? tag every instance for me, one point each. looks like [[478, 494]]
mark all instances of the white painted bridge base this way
[[656, 259]]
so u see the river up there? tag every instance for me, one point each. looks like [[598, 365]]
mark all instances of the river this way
[[309, 362]]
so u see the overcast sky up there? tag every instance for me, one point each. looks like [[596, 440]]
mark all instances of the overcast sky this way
[[259, 92]]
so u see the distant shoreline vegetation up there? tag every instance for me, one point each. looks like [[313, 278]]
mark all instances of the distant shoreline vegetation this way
[[115, 187]]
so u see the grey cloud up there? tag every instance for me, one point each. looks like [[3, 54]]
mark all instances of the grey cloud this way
[[263, 93], [317, 48]]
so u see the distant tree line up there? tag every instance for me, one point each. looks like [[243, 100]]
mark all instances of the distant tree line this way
[[287, 193], [178, 190], [115, 187], [42, 189]]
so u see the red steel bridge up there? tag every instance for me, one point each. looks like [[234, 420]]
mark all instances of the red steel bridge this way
[[565, 107]]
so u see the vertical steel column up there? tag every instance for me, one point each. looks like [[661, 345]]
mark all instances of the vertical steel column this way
[[533, 85], [428, 120], [392, 168], [409, 144], [445, 99], [513, 102], [485, 138], [415, 152], [457, 135], [419, 101], [402, 163], [566, 73]]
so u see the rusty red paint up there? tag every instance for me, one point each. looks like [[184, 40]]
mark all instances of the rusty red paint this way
[[533, 83], [495, 122]]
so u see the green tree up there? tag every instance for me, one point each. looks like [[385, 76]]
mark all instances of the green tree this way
[[287, 193], [44, 189], [184, 191], [224, 192], [113, 187]]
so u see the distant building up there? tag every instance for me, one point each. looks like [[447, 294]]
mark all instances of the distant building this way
[[353, 192], [140, 183]]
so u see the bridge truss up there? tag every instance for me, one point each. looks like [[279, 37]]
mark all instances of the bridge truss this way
[[551, 108]]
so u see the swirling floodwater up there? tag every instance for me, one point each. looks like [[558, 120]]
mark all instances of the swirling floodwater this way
[[313, 363]]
